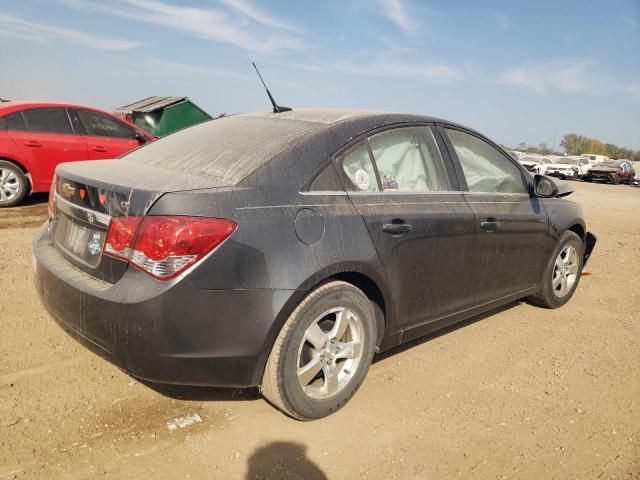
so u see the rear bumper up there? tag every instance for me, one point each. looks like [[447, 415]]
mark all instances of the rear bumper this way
[[589, 243], [162, 332]]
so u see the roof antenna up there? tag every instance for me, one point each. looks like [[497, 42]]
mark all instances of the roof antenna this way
[[276, 107]]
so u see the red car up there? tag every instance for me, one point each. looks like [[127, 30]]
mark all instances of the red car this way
[[36, 137]]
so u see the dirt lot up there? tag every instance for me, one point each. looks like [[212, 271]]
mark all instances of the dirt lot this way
[[521, 393]]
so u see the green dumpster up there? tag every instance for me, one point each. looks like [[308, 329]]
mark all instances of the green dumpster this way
[[163, 115]]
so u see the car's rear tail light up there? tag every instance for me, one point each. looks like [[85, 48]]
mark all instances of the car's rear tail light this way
[[52, 197], [121, 236], [164, 246]]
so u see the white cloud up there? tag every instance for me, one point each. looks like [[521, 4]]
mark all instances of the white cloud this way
[[178, 68], [564, 75], [245, 8], [631, 21], [210, 23], [13, 26], [504, 21], [434, 72], [398, 13]]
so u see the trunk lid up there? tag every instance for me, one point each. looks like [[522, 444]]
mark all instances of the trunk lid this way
[[88, 194]]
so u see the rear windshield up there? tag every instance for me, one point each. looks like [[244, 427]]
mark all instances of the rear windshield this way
[[226, 149]]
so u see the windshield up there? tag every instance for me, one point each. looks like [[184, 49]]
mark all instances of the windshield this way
[[531, 159]]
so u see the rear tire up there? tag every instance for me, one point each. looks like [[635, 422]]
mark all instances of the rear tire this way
[[14, 185], [323, 352], [562, 275]]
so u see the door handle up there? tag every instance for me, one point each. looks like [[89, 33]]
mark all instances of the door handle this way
[[32, 143], [99, 148], [397, 228], [490, 225]]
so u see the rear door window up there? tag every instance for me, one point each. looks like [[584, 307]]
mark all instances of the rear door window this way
[[484, 167], [99, 125], [408, 160], [357, 164], [13, 121], [47, 120]]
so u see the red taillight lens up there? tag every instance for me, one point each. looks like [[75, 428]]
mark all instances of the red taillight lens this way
[[121, 235], [164, 246], [52, 197]]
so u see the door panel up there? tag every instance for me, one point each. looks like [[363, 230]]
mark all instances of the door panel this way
[[510, 235], [426, 267], [104, 147], [46, 141], [421, 227], [510, 224], [106, 136]]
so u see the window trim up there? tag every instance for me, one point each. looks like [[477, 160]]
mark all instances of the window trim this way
[[449, 166], [527, 179]]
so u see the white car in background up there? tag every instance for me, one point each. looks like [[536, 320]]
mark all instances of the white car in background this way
[[595, 159], [569, 167], [535, 163]]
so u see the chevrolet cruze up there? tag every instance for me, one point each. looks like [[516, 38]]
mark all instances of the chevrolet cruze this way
[[283, 250]]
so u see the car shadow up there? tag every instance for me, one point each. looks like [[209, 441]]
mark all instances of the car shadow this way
[[35, 198], [189, 392], [282, 460]]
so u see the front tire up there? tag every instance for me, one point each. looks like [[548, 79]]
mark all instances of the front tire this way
[[562, 275], [323, 352], [14, 185], [615, 179]]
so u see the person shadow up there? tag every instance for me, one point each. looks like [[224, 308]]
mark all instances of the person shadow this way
[[282, 460]]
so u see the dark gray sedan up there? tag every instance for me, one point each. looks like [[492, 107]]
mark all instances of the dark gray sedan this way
[[282, 250]]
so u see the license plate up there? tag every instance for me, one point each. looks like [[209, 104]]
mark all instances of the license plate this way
[[81, 241]]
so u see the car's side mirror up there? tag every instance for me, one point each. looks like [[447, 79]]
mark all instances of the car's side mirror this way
[[140, 137], [544, 187]]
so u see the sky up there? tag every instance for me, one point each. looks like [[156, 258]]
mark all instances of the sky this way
[[517, 71]]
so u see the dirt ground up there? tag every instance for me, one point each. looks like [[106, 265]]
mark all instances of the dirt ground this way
[[520, 393]]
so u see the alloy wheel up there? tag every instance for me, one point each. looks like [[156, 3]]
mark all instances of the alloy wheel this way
[[565, 271], [330, 353], [9, 185]]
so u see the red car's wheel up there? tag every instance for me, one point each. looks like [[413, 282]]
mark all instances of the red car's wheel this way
[[14, 185]]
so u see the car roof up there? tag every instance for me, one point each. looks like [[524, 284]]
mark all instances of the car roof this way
[[8, 107], [329, 116], [231, 148]]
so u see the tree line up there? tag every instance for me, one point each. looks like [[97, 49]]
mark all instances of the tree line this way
[[575, 144]]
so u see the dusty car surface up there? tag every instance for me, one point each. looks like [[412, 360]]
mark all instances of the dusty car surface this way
[[282, 250], [611, 171]]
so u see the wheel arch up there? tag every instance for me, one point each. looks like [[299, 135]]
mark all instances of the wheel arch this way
[[373, 286], [578, 229]]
